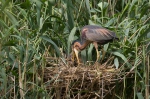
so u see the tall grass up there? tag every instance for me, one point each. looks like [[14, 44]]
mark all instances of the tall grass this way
[[29, 28]]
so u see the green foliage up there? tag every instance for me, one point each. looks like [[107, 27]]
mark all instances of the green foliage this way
[[29, 28]]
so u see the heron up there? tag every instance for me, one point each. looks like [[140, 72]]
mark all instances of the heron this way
[[92, 34]]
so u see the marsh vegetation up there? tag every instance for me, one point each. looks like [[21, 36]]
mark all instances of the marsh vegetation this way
[[35, 38]]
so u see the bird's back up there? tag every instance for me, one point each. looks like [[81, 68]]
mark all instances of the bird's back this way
[[97, 33]]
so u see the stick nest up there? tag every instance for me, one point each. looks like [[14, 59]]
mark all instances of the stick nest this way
[[81, 82]]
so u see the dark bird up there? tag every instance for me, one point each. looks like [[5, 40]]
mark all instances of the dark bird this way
[[92, 34]]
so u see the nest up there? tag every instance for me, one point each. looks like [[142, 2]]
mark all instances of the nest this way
[[81, 82]]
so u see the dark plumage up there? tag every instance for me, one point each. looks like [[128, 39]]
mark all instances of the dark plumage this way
[[92, 34]]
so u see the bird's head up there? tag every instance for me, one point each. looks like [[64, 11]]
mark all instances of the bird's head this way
[[75, 49], [76, 45]]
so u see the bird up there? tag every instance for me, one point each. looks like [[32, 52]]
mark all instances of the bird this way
[[92, 34]]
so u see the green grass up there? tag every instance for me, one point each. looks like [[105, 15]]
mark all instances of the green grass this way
[[32, 29]]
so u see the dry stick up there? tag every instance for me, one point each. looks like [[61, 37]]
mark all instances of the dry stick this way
[[14, 88], [97, 94], [20, 79], [99, 85], [102, 88], [10, 90], [90, 77], [20, 83], [73, 75], [57, 89], [146, 20], [82, 80], [134, 33], [108, 61], [25, 66], [110, 90], [66, 65], [34, 68], [130, 70], [124, 63]]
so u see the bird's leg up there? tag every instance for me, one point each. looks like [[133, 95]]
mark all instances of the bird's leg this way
[[77, 55], [97, 52]]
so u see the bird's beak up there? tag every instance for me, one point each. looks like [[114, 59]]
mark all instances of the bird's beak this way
[[76, 54]]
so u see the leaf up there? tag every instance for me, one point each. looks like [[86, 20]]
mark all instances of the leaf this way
[[124, 11], [110, 22], [4, 4], [11, 43], [148, 35], [71, 37], [106, 46], [148, 49], [103, 5], [83, 55], [19, 38], [50, 41], [88, 6], [38, 9], [41, 23], [22, 11], [91, 22], [4, 79], [116, 62], [21, 51], [132, 5], [90, 52], [138, 34], [144, 9], [11, 58], [11, 17], [139, 95], [70, 14], [122, 57], [3, 24]]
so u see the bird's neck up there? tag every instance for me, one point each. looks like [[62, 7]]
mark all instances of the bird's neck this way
[[84, 44]]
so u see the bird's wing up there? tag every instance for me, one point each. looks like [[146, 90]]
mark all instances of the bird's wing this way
[[99, 34]]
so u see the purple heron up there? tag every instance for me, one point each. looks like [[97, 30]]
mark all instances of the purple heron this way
[[92, 34]]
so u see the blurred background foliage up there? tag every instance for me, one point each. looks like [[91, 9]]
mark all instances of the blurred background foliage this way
[[28, 28]]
